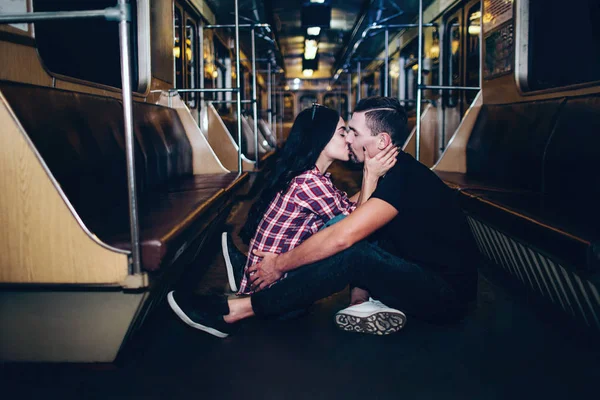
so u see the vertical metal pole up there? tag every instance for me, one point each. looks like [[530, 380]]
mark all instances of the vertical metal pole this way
[[129, 144], [269, 99], [201, 40], [419, 82], [400, 68], [254, 97], [281, 113], [349, 100], [387, 64], [275, 107], [238, 72], [358, 83]]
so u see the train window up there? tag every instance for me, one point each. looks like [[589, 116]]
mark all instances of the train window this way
[[410, 75], [86, 49], [177, 45], [288, 107], [307, 101], [559, 45], [453, 49], [411, 67], [371, 85], [338, 102], [472, 58], [190, 60], [395, 77], [434, 55]]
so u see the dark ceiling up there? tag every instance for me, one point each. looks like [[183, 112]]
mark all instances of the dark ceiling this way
[[349, 18]]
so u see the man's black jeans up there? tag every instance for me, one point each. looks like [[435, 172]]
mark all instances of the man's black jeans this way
[[397, 283]]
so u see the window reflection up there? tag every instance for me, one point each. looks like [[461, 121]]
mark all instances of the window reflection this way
[[473, 43], [177, 53], [190, 60]]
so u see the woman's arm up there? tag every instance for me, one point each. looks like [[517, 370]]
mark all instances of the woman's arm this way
[[375, 168]]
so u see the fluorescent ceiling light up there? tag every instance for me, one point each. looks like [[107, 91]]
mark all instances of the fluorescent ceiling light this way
[[310, 49], [317, 1], [307, 72], [313, 31]]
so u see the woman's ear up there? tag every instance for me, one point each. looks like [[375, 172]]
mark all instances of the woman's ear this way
[[383, 141]]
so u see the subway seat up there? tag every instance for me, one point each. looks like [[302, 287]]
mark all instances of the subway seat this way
[[80, 137]]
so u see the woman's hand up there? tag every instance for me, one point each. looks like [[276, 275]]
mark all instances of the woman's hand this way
[[379, 165]]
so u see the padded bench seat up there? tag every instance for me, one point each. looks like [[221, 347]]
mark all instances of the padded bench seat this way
[[205, 181], [81, 140], [247, 139], [165, 222], [532, 173]]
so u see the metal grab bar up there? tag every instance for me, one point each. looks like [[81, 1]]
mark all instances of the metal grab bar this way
[[120, 13], [252, 26], [421, 87], [202, 90], [113, 14], [238, 100], [228, 101], [435, 87]]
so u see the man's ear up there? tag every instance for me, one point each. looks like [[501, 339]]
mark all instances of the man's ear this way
[[384, 140]]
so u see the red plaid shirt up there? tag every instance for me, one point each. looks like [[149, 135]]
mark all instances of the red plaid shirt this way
[[294, 215]]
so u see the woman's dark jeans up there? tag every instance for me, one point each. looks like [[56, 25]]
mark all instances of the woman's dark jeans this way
[[395, 282]]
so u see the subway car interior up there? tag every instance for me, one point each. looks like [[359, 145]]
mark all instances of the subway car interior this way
[[135, 132]]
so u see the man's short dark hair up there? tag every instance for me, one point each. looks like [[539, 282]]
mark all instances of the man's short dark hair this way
[[384, 114]]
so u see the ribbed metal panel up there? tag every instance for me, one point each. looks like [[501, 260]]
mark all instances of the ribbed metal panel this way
[[575, 295]]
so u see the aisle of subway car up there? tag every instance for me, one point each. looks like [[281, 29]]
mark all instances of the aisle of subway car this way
[[511, 346]]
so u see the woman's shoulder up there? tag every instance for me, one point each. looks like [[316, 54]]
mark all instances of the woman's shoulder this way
[[308, 176]]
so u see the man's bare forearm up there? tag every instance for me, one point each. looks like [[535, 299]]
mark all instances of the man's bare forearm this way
[[321, 245]]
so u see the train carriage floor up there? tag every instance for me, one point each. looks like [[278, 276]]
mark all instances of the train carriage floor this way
[[510, 346]]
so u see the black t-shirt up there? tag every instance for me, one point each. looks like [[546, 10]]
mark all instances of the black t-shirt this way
[[430, 229]]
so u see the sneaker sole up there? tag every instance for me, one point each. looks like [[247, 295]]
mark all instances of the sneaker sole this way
[[381, 323], [175, 307], [228, 265]]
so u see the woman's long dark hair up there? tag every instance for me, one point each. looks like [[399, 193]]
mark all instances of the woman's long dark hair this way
[[312, 130]]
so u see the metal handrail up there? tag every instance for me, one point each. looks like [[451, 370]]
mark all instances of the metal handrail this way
[[120, 13], [421, 87], [111, 14], [437, 87], [238, 100]]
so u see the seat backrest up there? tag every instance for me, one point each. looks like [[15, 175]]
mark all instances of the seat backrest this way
[[247, 137], [572, 161], [81, 139], [508, 142]]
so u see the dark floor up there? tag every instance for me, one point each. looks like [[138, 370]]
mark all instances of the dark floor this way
[[510, 347]]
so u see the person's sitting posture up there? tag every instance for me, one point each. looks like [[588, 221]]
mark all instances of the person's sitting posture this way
[[425, 262]]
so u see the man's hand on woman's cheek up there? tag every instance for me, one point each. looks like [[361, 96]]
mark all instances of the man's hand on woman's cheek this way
[[264, 273]]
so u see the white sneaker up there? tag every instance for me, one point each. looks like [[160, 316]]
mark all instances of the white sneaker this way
[[372, 317]]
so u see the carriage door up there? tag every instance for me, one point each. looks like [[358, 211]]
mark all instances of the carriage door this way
[[185, 50], [461, 65]]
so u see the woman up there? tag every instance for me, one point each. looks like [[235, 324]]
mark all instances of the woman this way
[[300, 198]]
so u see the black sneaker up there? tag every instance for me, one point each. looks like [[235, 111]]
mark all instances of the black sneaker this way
[[202, 312], [235, 261]]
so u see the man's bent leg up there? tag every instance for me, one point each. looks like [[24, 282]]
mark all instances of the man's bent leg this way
[[396, 282]]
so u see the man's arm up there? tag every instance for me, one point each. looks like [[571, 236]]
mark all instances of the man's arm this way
[[367, 218]]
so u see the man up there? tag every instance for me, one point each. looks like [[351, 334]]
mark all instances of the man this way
[[424, 263]]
